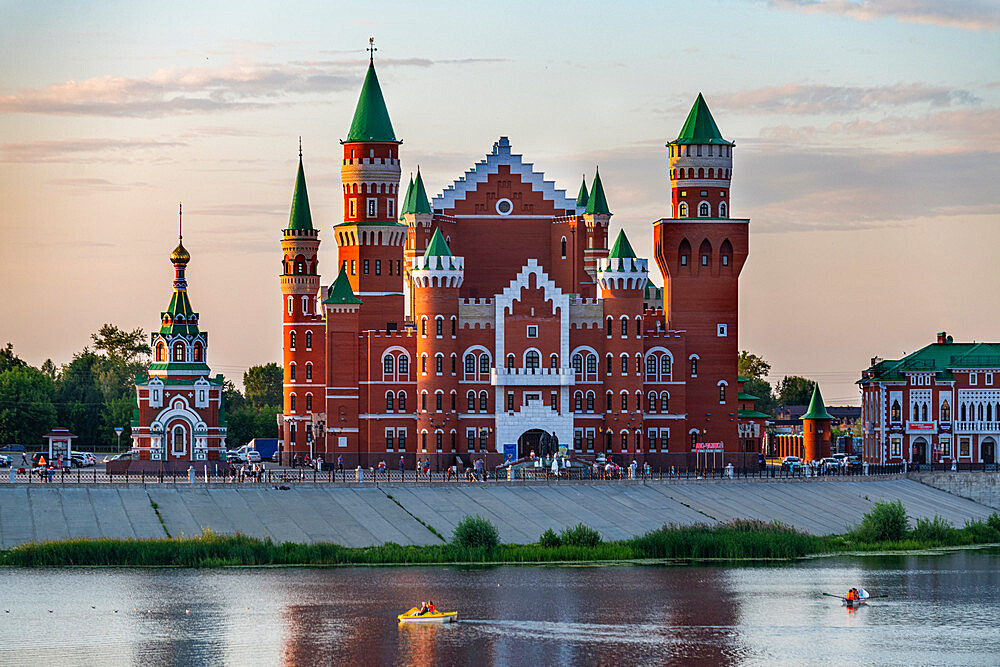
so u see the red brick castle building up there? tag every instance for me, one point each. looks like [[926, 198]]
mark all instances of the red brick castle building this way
[[520, 319]]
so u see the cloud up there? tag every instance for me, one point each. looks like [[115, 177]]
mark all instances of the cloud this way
[[962, 14], [79, 150], [173, 91], [98, 184], [240, 210], [794, 98]]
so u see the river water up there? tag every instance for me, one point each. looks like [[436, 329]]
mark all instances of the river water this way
[[939, 609]]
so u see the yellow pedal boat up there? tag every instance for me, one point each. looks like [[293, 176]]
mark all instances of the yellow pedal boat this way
[[412, 616]]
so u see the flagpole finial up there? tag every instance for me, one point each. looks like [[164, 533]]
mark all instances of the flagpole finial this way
[[371, 50]]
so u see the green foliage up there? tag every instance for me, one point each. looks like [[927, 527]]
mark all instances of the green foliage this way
[[762, 390], [79, 399], [475, 532], [263, 385], [735, 540], [247, 423], [794, 390], [550, 539], [935, 530], [9, 360], [994, 521], [580, 536], [886, 522], [751, 366], [27, 411], [124, 347]]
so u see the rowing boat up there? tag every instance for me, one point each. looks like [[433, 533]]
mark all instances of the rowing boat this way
[[413, 616]]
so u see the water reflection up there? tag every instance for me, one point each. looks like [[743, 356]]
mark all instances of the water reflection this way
[[598, 615]]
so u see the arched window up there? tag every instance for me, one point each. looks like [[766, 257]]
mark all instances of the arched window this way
[[664, 402], [387, 364], [179, 352], [423, 326], [291, 371], [961, 411], [684, 252], [578, 364], [916, 412], [682, 210], [578, 401], [484, 364], [624, 401], [309, 340], [390, 399], [510, 361], [291, 340], [531, 360], [652, 402], [439, 363], [624, 441], [178, 444], [470, 364], [609, 397], [945, 412], [723, 212], [624, 326], [553, 361], [705, 252], [896, 413], [722, 393], [609, 363], [161, 352], [564, 247], [650, 368], [591, 396], [665, 369], [591, 364], [694, 366], [309, 371], [401, 401], [404, 364], [197, 352], [439, 326], [470, 401], [607, 326], [484, 401], [704, 210], [423, 364], [726, 253], [309, 402], [291, 403]]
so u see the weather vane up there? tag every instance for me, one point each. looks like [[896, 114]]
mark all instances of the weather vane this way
[[180, 220], [371, 50]]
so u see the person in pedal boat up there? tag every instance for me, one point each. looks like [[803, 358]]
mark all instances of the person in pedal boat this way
[[430, 608], [423, 609]]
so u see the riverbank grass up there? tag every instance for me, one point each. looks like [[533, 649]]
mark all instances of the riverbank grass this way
[[476, 541]]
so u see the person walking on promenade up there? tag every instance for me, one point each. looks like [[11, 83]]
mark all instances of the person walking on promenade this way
[[340, 463], [402, 467]]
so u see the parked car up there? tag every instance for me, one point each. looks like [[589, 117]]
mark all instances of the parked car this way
[[854, 462], [84, 459], [791, 463], [233, 456], [5, 460], [130, 455]]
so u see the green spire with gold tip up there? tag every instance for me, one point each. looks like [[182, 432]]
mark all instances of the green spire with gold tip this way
[[300, 217], [622, 249], [597, 204], [420, 203], [405, 208], [371, 118], [816, 408], [700, 127], [583, 196], [340, 291]]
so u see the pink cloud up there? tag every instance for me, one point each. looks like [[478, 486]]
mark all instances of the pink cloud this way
[[963, 14], [795, 98]]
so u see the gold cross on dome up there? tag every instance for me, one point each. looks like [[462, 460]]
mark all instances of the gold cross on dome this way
[[371, 49]]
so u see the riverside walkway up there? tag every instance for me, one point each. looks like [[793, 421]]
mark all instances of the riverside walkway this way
[[367, 514]]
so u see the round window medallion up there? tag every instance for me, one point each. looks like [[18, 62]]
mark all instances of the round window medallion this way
[[504, 206]]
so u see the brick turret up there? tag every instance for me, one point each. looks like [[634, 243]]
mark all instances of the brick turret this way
[[816, 429]]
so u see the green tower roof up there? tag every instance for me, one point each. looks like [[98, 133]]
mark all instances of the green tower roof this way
[[419, 203], [816, 408], [405, 208], [583, 196], [700, 127], [622, 249], [371, 118], [300, 217], [597, 203], [437, 247], [340, 291]]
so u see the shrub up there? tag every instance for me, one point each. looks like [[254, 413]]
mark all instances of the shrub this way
[[981, 532], [886, 522], [994, 521], [580, 536], [475, 532], [933, 530], [549, 539]]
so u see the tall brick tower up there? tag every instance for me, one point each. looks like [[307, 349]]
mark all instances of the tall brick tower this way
[[370, 239], [816, 429], [700, 251], [303, 328], [436, 277], [596, 218], [622, 278]]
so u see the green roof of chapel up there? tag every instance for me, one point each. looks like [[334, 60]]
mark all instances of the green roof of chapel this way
[[816, 408], [597, 203], [622, 249], [700, 127], [371, 118], [300, 217]]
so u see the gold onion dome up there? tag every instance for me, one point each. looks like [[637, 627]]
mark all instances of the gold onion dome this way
[[180, 255]]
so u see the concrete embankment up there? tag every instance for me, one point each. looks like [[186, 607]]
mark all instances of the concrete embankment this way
[[980, 487], [368, 515]]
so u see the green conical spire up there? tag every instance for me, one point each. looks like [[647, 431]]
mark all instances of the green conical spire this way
[[420, 203], [340, 291], [405, 208], [583, 196], [816, 408], [300, 217], [597, 203], [438, 247], [622, 249], [700, 127], [371, 118]]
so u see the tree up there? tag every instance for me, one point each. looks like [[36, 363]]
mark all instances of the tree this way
[[123, 346], [26, 408], [752, 367], [79, 399], [50, 369], [10, 360], [762, 390], [794, 390], [263, 385]]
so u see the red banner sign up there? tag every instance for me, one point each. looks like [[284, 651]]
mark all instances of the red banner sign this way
[[920, 426], [708, 447]]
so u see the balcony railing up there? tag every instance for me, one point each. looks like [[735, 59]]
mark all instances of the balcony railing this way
[[977, 427], [532, 376]]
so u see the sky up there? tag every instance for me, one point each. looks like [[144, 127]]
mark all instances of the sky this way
[[867, 136]]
